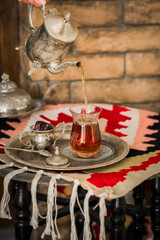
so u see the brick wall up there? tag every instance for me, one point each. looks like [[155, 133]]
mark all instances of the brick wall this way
[[119, 46]]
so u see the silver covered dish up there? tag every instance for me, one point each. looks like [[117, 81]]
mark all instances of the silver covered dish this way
[[14, 102]]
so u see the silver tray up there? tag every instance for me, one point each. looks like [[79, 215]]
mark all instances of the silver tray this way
[[36, 105], [36, 161]]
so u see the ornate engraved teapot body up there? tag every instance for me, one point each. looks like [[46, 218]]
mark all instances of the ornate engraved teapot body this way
[[48, 44]]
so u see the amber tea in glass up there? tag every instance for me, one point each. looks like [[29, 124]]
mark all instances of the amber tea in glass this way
[[85, 137]]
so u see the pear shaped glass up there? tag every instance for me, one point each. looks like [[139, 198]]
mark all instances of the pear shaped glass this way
[[85, 137]]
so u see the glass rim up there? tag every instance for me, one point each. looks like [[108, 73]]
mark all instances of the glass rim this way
[[84, 106]]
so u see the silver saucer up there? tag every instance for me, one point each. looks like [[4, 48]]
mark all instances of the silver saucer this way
[[104, 152]]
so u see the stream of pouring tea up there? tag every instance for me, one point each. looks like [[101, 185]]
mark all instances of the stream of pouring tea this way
[[79, 65]]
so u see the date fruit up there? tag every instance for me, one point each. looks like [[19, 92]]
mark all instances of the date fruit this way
[[42, 126]]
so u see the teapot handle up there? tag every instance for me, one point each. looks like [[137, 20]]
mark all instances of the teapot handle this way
[[30, 15]]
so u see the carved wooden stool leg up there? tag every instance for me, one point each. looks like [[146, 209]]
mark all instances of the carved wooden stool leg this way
[[22, 214], [155, 210], [138, 220], [80, 225], [79, 220], [118, 209], [138, 194]]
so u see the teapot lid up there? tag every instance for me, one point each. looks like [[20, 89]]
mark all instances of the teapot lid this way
[[60, 27]]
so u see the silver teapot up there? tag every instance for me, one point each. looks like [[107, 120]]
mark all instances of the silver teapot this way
[[48, 44]]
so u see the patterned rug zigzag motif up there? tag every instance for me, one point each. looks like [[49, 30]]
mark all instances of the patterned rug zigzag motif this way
[[4, 125], [155, 136], [110, 179], [114, 117]]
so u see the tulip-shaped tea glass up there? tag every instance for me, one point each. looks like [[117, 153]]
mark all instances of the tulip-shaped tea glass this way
[[85, 137]]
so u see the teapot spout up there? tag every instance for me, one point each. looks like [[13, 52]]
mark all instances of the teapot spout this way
[[57, 67]]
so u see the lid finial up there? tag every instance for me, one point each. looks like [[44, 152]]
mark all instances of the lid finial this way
[[5, 77], [6, 85]]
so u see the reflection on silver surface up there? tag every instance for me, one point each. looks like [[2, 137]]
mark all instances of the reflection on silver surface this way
[[15, 102], [48, 44], [36, 161], [13, 113]]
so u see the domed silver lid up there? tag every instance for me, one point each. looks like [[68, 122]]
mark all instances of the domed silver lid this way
[[60, 27], [13, 100]]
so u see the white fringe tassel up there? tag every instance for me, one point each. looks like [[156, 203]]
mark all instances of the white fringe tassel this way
[[35, 211], [102, 214], [71, 207], [86, 231], [51, 227], [4, 207]]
